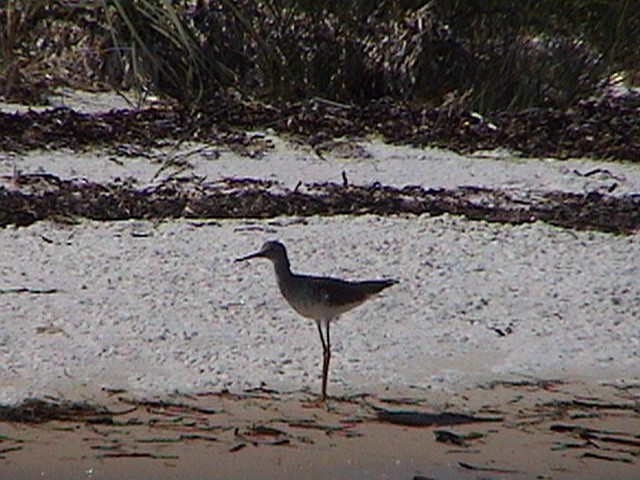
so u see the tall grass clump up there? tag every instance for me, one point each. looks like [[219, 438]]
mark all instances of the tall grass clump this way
[[157, 47], [477, 54], [494, 54], [542, 53], [16, 21], [48, 44]]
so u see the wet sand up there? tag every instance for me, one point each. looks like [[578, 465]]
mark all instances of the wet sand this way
[[529, 429]]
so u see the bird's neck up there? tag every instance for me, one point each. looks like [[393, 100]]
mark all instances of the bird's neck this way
[[283, 270]]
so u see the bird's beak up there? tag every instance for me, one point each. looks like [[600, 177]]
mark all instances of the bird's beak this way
[[249, 257]]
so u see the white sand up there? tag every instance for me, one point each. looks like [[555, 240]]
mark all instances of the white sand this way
[[172, 311], [289, 164]]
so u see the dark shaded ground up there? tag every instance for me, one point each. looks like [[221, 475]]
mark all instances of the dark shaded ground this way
[[43, 196]]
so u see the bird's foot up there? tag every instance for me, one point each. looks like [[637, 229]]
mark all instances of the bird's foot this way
[[318, 402]]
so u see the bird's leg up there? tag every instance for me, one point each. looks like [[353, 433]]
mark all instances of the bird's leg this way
[[325, 365], [324, 344], [326, 356]]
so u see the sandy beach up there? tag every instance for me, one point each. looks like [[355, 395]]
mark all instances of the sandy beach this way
[[503, 352]]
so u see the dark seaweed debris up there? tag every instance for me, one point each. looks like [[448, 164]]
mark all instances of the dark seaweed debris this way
[[45, 196], [608, 127], [35, 410]]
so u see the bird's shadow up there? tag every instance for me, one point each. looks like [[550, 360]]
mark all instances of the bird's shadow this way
[[409, 418]]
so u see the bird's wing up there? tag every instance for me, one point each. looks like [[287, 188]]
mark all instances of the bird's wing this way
[[342, 292]]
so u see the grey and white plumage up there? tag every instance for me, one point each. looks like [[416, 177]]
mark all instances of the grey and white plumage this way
[[322, 299]]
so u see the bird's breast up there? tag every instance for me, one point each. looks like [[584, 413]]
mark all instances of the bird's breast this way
[[313, 303]]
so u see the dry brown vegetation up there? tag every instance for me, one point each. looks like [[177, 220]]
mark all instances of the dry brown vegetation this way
[[480, 55]]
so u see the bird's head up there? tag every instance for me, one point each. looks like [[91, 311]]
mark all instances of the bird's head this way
[[272, 250]]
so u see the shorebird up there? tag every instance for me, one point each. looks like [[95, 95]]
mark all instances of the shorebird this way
[[322, 299]]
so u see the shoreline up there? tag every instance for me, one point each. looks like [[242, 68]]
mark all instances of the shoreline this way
[[531, 430]]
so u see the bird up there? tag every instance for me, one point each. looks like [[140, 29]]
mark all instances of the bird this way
[[322, 299]]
